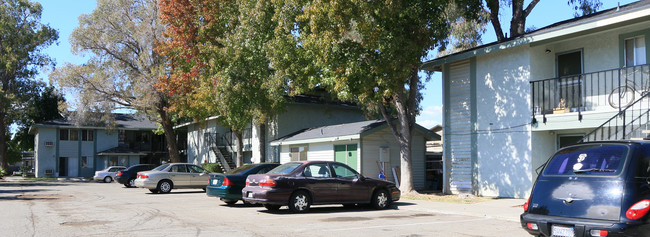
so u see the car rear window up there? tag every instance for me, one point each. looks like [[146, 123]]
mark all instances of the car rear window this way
[[593, 159], [285, 168]]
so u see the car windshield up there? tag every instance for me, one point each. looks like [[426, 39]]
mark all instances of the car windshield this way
[[285, 169], [241, 169], [597, 159], [161, 167]]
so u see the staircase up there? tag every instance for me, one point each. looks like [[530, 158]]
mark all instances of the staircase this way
[[224, 158], [630, 123]]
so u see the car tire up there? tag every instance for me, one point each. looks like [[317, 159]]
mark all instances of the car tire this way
[[108, 179], [153, 190], [130, 183], [300, 202], [230, 202], [380, 199], [165, 186], [271, 207]]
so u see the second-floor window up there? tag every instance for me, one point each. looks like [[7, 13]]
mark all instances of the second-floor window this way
[[635, 51], [87, 135], [69, 134]]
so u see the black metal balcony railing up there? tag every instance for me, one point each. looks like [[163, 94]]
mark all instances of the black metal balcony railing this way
[[611, 90]]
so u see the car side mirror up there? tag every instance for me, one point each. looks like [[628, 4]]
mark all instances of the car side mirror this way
[[359, 178]]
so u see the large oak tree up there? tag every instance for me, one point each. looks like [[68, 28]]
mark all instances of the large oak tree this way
[[120, 36]]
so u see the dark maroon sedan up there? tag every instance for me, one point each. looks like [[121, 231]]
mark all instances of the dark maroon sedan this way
[[302, 184]]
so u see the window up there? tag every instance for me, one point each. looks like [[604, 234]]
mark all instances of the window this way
[[63, 134], [87, 135], [344, 172], [195, 169], [74, 134], [317, 171], [178, 169], [298, 153], [285, 168], [635, 51], [588, 160]]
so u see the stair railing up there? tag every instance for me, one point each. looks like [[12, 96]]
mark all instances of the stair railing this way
[[622, 128]]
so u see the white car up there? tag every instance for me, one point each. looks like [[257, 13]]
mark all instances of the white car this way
[[107, 175], [164, 178]]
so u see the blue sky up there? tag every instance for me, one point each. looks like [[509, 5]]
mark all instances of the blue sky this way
[[62, 15]]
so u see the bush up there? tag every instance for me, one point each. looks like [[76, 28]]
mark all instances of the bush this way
[[2, 173], [212, 167]]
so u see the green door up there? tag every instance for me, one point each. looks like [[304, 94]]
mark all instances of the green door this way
[[346, 154]]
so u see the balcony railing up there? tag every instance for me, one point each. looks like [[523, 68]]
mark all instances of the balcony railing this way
[[608, 90]]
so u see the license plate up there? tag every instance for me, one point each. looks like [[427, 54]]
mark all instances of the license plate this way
[[562, 231], [250, 195]]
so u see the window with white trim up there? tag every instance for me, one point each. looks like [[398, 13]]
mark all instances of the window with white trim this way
[[635, 53]]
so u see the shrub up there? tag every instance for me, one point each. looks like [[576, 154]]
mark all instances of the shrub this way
[[212, 167]]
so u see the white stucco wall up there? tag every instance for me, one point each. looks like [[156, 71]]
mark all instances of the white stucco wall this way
[[197, 148], [503, 112]]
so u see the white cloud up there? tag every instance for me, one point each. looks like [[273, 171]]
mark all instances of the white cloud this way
[[430, 116]]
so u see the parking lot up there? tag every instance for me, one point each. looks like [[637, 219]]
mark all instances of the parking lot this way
[[100, 209]]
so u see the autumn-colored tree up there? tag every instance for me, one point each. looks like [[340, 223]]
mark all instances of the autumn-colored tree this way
[[22, 40], [219, 62]]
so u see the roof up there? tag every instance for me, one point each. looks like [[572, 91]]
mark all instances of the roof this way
[[606, 19], [346, 131], [122, 121]]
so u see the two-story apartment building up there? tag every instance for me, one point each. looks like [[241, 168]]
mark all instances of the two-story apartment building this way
[[65, 149], [509, 106]]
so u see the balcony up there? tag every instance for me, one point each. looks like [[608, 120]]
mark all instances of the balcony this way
[[604, 91]]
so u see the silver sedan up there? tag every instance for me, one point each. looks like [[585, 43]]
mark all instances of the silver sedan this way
[[166, 177]]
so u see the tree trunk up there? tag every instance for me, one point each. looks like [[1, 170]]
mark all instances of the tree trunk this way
[[262, 140], [240, 148], [494, 7], [406, 106], [170, 136]]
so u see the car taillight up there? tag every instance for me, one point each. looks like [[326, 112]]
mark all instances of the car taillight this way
[[532, 226], [119, 173], [226, 182], [142, 176], [600, 233], [247, 182], [638, 210], [526, 204], [268, 183]]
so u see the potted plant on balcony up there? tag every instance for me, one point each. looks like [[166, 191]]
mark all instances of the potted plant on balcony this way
[[561, 107]]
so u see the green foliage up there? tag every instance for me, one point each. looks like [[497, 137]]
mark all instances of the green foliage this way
[[22, 44], [40, 107], [212, 167]]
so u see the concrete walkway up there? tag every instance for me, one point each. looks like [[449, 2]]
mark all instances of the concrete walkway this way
[[502, 209]]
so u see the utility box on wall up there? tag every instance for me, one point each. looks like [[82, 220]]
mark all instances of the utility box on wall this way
[[384, 154]]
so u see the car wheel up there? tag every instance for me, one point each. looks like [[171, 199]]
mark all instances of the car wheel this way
[[130, 183], [153, 190], [380, 199], [165, 186], [271, 207], [230, 202], [108, 179], [300, 202]]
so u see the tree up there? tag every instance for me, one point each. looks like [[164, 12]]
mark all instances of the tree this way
[[121, 36], [22, 40], [218, 48], [40, 107], [519, 14], [368, 52]]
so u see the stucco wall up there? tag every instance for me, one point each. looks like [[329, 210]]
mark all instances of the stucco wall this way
[[197, 148], [45, 157], [503, 113]]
